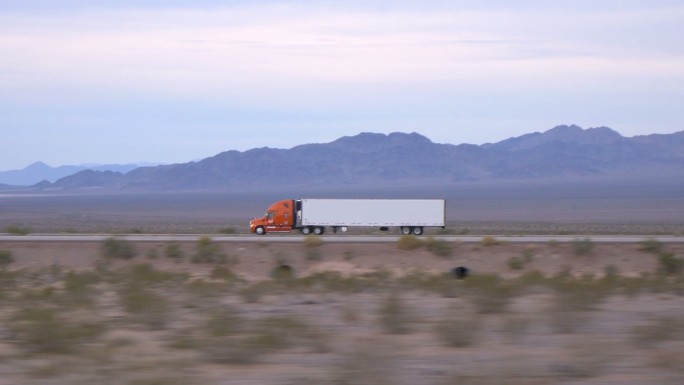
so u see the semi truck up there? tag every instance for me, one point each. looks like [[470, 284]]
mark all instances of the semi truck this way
[[313, 216]]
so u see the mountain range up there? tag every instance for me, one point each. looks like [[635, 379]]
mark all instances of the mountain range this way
[[371, 159], [39, 171]]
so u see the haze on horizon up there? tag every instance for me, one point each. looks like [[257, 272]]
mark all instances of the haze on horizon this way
[[172, 81]]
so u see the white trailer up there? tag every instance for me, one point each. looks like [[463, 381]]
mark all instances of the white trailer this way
[[410, 215]]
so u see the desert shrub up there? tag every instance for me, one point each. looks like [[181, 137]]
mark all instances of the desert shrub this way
[[227, 230], [229, 339], [114, 248], [671, 359], [669, 264], [489, 241], [254, 292], [223, 322], [145, 274], [394, 316], [145, 306], [409, 242], [573, 300], [531, 278], [8, 281], [173, 251], [18, 230], [233, 349], [220, 272], [578, 294], [208, 252], [658, 330], [78, 287], [585, 359], [203, 291], [582, 246], [333, 281], [611, 279], [5, 258], [42, 330], [527, 255], [152, 254], [651, 245], [490, 293], [350, 314], [611, 272], [457, 332], [285, 331], [313, 254], [313, 241], [282, 272], [515, 263], [566, 321], [439, 247], [366, 363], [514, 327]]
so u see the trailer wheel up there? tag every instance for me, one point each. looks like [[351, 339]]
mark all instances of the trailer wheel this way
[[406, 230], [318, 230], [417, 230], [260, 230], [306, 230]]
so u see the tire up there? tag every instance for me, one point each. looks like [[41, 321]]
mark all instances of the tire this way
[[260, 230], [417, 230], [306, 230], [318, 230], [406, 230]]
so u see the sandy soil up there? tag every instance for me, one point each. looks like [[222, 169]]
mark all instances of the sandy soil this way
[[370, 329]]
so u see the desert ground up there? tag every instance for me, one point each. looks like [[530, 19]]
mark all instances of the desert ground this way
[[203, 312], [116, 312]]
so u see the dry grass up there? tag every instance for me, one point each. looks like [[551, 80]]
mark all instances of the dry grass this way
[[170, 323]]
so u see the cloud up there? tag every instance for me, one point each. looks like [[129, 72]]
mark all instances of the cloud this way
[[277, 47]]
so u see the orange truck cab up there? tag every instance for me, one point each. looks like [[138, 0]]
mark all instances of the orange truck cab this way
[[280, 217]]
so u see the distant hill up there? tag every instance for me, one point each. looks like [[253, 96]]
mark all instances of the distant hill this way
[[370, 159], [39, 171]]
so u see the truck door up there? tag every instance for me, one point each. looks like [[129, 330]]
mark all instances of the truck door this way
[[284, 217], [279, 217]]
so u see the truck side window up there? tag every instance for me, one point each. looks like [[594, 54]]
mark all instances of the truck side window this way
[[270, 214]]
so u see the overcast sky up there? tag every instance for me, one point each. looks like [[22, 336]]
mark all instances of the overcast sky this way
[[123, 81]]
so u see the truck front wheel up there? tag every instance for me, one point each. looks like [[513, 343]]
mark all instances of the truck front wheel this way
[[417, 230], [260, 230]]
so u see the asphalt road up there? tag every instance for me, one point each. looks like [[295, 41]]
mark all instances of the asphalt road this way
[[275, 238]]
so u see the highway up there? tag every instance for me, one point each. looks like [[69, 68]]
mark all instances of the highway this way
[[276, 238]]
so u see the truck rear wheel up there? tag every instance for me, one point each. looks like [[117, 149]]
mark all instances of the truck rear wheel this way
[[306, 230], [406, 230], [417, 230], [260, 230], [318, 230]]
